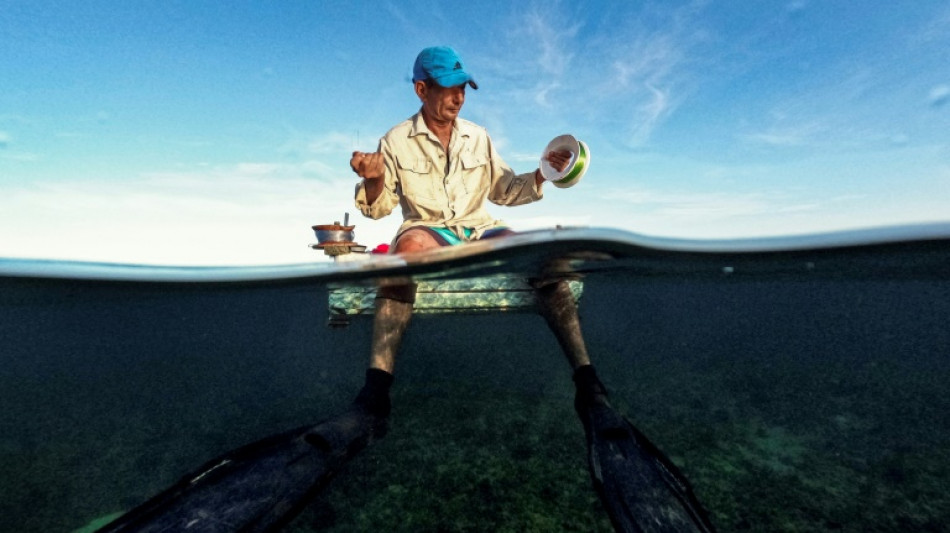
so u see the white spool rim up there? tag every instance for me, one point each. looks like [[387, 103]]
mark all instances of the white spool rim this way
[[580, 161]]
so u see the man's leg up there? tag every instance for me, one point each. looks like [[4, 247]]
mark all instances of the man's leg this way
[[624, 465], [557, 306], [392, 315], [559, 309], [393, 312]]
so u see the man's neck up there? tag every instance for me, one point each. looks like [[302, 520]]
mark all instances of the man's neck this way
[[441, 129]]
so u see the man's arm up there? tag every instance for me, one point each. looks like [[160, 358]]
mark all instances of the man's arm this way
[[558, 160], [375, 195], [370, 167]]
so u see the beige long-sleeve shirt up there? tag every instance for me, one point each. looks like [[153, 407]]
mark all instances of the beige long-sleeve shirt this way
[[448, 188]]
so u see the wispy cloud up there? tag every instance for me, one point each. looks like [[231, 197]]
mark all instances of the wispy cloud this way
[[561, 58], [939, 95], [13, 118], [19, 157], [796, 6], [244, 175], [334, 143], [547, 221], [11, 152], [523, 157], [175, 218], [855, 109], [719, 215], [707, 204], [786, 136], [395, 11], [542, 92], [649, 114], [935, 30], [552, 35], [535, 59], [645, 61], [647, 76]]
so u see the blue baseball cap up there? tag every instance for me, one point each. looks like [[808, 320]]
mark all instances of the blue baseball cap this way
[[442, 65]]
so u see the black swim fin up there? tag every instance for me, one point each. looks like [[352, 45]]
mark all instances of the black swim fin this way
[[260, 486], [640, 488]]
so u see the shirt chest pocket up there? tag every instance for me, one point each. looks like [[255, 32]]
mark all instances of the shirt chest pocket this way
[[416, 178], [475, 175]]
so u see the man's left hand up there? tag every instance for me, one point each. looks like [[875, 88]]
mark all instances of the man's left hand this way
[[559, 159]]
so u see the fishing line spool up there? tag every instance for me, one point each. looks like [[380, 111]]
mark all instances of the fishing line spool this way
[[580, 161]]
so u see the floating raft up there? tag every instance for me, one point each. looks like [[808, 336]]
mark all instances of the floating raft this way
[[497, 293], [482, 294]]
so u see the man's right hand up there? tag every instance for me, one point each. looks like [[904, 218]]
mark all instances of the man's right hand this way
[[368, 166]]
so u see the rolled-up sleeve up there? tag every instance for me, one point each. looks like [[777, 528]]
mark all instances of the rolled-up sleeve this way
[[387, 199]]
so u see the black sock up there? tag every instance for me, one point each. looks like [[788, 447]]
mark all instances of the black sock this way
[[589, 388], [374, 396]]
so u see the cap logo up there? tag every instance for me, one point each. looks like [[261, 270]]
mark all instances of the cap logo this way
[[458, 66]]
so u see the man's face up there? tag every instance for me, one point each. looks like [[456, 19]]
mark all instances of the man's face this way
[[441, 104]]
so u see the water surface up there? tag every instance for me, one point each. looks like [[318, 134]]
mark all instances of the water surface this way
[[794, 399]]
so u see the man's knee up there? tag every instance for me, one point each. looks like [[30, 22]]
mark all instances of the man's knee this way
[[401, 293], [415, 240]]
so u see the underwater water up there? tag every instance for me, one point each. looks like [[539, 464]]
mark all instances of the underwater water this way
[[791, 402]]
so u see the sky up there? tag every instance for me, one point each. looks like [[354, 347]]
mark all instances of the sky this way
[[217, 133]]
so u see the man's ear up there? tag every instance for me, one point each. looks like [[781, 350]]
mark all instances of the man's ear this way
[[420, 87]]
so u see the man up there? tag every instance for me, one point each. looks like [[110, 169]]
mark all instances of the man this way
[[440, 169]]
